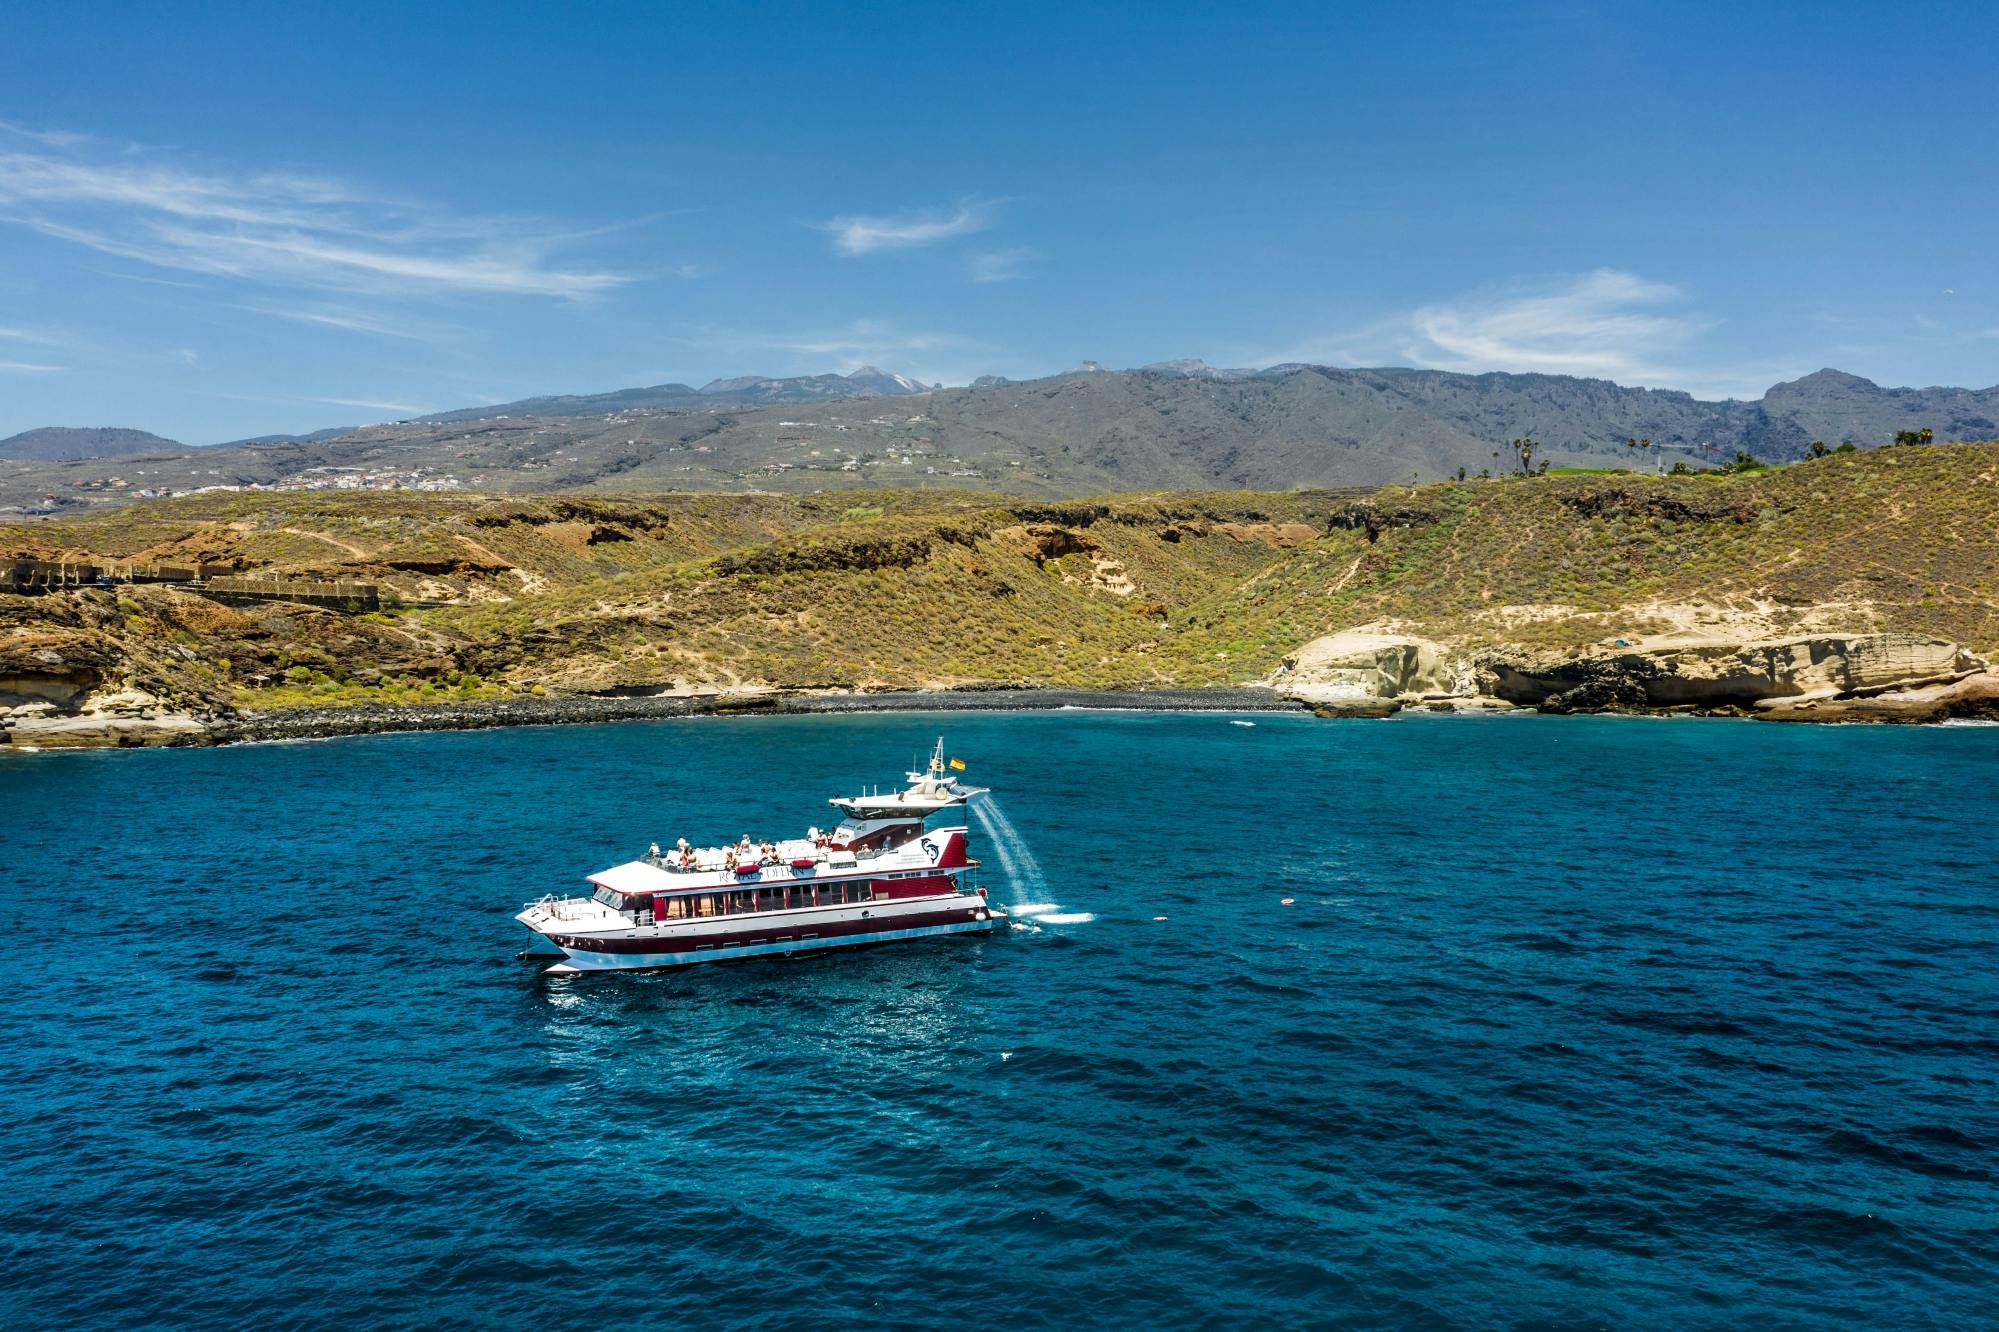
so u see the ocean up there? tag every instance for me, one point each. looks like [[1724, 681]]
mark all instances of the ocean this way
[[1567, 1023]]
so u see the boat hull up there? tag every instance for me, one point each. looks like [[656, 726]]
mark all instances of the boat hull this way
[[651, 949]]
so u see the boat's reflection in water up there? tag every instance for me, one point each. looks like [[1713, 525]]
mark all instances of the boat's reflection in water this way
[[900, 1003]]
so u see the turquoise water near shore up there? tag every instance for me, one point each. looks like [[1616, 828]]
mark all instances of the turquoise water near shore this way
[[1572, 1022]]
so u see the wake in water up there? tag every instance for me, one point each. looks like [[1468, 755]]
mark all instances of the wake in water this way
[[1023, 871]]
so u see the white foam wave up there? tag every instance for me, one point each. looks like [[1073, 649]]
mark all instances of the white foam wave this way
[[1066, 917]]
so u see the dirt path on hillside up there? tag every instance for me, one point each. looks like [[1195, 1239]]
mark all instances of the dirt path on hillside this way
[[331, 540]]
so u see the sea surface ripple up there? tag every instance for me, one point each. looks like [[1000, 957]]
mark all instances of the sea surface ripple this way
[[1573, 1022]]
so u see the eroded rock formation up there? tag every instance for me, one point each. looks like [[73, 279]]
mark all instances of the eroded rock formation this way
[[1721, 674]]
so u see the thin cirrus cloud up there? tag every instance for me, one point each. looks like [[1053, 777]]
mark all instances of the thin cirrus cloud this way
[[1009, 265], [399, 408], [281, 228], [350, 321], [1606, 324], [859, 233], [30, 368], [927, 354]]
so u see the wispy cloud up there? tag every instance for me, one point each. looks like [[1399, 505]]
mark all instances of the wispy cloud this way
[[930, 355], [399, 408], [29, 368], [27, 335], [285, 228], [51, 138], [859, 233], [352, 321], [1008, 265], [862, 340], [185, 355], [1605, 324]]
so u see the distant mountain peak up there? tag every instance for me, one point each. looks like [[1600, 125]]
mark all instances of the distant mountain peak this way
[[1830, 379], [1193, 367], [885, 382], [1088, 368]]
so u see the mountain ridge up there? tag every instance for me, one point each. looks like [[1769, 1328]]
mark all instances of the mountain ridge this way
[[1178, 424]]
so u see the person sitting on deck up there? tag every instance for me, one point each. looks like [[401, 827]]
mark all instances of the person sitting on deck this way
[[729, 859], [652, 854]]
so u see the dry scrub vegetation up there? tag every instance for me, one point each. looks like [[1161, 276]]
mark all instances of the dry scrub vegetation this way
[[491, 596]]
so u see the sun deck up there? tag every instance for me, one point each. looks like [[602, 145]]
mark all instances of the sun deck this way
[[800, 859]]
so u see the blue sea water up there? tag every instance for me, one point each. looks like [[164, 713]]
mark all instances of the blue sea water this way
[[1571, 1022]]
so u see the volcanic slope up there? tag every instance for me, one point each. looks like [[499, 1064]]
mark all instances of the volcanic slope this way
[[901, 588]]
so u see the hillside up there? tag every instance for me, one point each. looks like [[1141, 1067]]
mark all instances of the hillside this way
[[63, 443], [1176, 425], [687, 593]]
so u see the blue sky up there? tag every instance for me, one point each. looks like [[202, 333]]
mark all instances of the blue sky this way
[[217, 221]]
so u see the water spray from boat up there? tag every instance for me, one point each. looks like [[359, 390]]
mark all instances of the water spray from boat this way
[[1022, 869]]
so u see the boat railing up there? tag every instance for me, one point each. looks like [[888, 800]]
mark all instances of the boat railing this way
[[560, 908]]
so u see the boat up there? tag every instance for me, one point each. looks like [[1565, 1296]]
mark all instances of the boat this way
[[881, 874]]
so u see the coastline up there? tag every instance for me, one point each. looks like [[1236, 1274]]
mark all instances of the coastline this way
[[372, 719], [156, 729]]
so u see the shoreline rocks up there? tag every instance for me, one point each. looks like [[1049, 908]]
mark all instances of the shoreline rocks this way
[[1751, 678], [319, 723], [1821, 678]]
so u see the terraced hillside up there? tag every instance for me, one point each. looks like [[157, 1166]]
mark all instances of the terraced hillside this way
[[496, 596]]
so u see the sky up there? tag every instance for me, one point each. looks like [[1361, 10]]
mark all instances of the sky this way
[[219, 221]]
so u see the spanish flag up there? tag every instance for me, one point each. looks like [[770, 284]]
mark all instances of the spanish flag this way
[[957, 765]]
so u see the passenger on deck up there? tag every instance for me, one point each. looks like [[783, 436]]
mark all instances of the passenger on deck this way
[[652, 854]]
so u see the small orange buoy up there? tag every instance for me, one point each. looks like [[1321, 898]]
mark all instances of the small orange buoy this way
[[1287, 901]]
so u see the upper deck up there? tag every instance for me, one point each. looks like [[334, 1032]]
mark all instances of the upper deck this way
[[803, 858], [929, 791]]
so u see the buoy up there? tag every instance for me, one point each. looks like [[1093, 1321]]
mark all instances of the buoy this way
[[1159, 918], [1287, 901]]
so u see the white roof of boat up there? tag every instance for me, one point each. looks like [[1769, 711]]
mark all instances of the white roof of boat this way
[[635, 876]]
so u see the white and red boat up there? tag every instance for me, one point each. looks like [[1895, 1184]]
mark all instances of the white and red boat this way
[[881, 874]]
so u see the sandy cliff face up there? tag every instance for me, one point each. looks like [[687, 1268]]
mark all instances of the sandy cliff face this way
[[1359, 667]]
